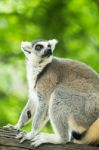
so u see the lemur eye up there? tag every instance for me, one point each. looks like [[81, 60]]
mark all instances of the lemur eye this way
[[49, 45], [38, 47]]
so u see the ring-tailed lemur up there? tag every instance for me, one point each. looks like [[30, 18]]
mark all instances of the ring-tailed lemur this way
[[64, 91]]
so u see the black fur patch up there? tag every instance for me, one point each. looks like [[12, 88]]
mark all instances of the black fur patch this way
[[77, 135], [36, 41], [29, 114]]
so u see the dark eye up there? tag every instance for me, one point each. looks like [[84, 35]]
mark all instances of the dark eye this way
[[38, 47], [49, 45]]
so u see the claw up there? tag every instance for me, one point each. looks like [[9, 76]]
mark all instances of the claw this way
[[35, 138], [24, 136], [11, 127], [20, 135], [36, 143], [23, 139]]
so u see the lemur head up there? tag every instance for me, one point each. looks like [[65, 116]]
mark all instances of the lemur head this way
[[38, 50]]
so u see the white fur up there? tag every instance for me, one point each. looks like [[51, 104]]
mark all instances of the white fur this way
[[33, 69], [46, 138], [70, 134], [35, 64], [53, 42], [25, 44]]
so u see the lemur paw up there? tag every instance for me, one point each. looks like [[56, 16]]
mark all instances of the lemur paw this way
[[25, 136], [39, 139], [11, 127]]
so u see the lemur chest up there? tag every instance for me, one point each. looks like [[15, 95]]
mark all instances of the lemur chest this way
[[32, 74]]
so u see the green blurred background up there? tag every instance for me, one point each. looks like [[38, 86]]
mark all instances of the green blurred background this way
[[75, 23]]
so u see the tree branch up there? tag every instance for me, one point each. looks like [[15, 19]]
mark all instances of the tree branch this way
[[9, 142]]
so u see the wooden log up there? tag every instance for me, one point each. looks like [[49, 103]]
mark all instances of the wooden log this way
[[9, 142]]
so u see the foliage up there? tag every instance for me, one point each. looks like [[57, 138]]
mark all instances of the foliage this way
[[74, 23]]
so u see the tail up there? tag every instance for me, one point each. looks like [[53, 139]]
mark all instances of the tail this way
[[90, 136]]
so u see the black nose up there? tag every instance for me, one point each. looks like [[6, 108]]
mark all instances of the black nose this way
[[49, 51]]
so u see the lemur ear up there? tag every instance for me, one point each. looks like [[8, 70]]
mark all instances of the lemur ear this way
[[25, 44], [53, 42]]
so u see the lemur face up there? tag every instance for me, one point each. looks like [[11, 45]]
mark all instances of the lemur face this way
[[38, 49]]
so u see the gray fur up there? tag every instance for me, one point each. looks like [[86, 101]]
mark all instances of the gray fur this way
[[65, 89]]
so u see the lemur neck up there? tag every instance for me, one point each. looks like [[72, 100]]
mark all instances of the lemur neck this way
[[39, 63], [34, 69]]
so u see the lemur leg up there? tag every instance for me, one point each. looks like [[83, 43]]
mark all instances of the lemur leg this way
[[40, 119], [25, 116], [46, 138], [55, 138], [60, 128]]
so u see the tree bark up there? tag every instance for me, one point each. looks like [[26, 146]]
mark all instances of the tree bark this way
[[9, 142]]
